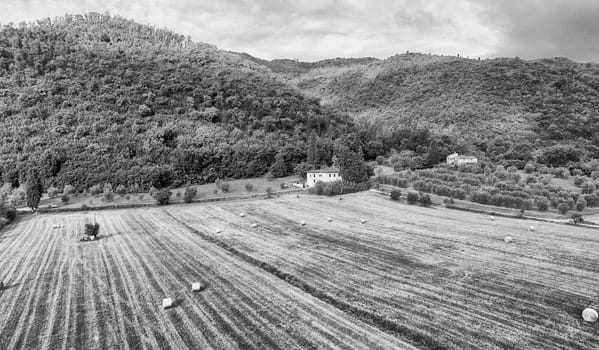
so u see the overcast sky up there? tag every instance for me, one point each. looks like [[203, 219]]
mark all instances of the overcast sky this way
[[317, 29]]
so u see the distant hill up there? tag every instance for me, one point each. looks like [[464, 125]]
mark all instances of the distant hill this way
[[94, 98], [483, 103]]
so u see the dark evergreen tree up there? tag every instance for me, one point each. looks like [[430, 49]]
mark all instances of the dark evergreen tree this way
[[33, 189]]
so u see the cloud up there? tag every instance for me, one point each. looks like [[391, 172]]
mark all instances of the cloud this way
[[312, 30], [420, 20], [548, 28]]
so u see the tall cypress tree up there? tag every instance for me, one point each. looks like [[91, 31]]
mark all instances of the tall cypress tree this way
[[33, 189], [312, 152]]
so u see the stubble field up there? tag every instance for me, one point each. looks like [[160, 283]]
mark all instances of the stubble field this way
[[408, 277]]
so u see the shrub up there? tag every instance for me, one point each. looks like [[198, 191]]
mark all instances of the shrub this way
[[317, 188], [269, 191], [92, 229], [395, 195], [282, 185], [224, 186], [543, 204], [95, 190], [217, 183], [107, 187], [412, 197], [68, 189], [134, 188], [249, 187], [563, 208], [84, 207], [65, 198], [571, 203], [141, 197], [153, 191], [52, 192], [128, 197], [163, 196], [545, 179], [481, 197], [578, 181], [526, 204], [592, 199], [588, 188], [581, 204], [380, 160], [561, 173], [515, 177], [425, 200], [10, 214], [577, 218], [178, 194], [108, 196], [190, 193], [529, 168], [512, 169], [531, 179], [121, 189]]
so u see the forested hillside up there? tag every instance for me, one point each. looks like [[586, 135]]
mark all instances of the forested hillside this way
[[89, 99], [92, 99], [503, 109]]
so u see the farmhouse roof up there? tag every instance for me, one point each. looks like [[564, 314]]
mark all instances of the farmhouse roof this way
[[325, 170]]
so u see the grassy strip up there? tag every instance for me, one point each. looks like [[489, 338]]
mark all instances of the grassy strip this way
[[415, 337], [146, 205]]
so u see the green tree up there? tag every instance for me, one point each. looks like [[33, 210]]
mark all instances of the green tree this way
[[351, 166], [33, 189], [581, 204]]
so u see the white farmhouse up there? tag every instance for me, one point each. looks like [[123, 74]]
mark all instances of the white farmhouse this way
[[324, 175], [456, 159]]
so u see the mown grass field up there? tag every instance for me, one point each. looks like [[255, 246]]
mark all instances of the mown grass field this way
[[409, 277]]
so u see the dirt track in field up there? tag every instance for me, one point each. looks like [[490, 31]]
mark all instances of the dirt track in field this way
[[444, 277], [63, 294]]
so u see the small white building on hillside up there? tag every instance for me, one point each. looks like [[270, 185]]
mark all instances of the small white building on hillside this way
[[456, 159], [324, 175]]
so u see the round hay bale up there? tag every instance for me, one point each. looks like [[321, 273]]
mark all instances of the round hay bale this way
[[531, 228], [330, 219], [303, 223], [492, 218], [507, 239], [242, 215], [363, 221], [218, 230], [254, 225], [196, 287], [589, 315]]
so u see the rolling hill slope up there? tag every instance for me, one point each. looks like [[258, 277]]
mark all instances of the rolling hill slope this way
[[96, 98]]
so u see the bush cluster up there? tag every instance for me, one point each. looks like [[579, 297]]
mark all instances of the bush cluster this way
[[190, 193], [162, 196], [335, 188]]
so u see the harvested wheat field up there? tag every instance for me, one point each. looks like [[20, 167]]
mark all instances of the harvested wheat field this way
[[406, 277], [107, 294], [435, 277]]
